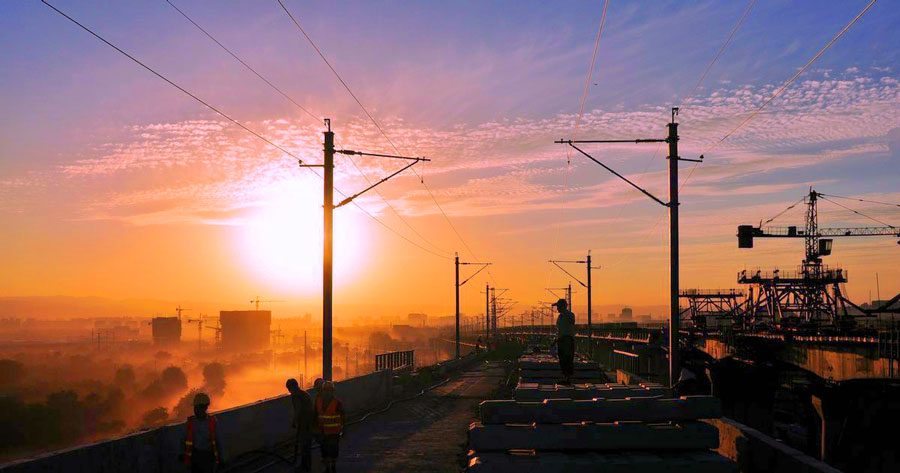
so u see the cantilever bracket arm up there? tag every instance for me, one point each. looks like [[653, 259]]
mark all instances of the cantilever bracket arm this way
[[556, 263], [482, 268], [350, 199], [614, 172], [636, 140], [363, 153]]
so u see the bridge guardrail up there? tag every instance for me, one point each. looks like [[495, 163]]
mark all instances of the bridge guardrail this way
[[396, 360]]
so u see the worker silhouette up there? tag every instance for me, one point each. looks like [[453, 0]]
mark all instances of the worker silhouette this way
[[565, 340], [330, 419], [202, 448], [304, 423]]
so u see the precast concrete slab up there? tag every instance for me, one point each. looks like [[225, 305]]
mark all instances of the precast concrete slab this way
[[593, 437], [552, 363], [559, 411], [557, 374], [624, 462], [553, 380], [538, 392]]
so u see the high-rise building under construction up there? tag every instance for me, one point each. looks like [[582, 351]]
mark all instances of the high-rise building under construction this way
[[166, 330], [245, 330]]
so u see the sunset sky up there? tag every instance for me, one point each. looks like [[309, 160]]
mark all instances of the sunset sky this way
[[115, 184]]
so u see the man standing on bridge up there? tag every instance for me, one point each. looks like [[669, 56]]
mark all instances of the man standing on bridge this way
[[304, 422], [565, 340], [202, 448], [331, 419]]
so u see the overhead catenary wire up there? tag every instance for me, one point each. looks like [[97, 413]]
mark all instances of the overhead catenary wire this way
[[715, 58], [783, 86], [251, 69], [587, 83], [684, 105], [690, 96], [377, 126], [173, 84], [220, 113], [313, 116], [794, 77]]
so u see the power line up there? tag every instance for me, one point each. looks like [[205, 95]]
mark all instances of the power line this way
[[238, 59], [783, 86], [219, 112], [587, 83], [301, 107], [734, 31], [341, 80], [795, 76], [377, 125], [400, 234], [408, 225], [690, 96], [173, 84]]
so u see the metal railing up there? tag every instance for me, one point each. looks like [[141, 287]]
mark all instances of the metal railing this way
[[396, 360]]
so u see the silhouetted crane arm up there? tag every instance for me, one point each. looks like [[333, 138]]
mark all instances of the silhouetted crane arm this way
[[798, 232]]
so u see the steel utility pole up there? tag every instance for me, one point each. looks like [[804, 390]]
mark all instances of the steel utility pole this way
[[305, 357], [672, 140], [458, 284], [674, 309], [328, 234], [487, 312], [588, 285], [493, 310], [327, 279]]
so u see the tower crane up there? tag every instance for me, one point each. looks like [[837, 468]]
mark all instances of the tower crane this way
[[816, 245], [813, 293], [258, 300], [200, 321], [179, 310]]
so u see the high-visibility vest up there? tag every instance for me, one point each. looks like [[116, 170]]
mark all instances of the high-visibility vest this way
[[328, 418], [189, 439]]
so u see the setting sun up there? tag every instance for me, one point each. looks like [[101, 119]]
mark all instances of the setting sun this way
[[282, 241]]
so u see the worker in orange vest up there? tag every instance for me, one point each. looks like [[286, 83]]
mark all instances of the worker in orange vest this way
[[202, 448], [330, 419]]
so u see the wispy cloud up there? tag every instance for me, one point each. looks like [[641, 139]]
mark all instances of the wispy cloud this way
[[208, 172]]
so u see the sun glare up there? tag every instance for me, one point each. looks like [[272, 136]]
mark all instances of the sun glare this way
[[282, 241]]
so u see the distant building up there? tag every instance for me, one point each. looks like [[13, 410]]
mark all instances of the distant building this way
[[417, 319], [245, 330], [166, 330], [626, 314], [406, 333]]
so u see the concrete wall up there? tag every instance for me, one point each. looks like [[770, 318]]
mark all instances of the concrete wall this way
[[261, 425], [756, 452]]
